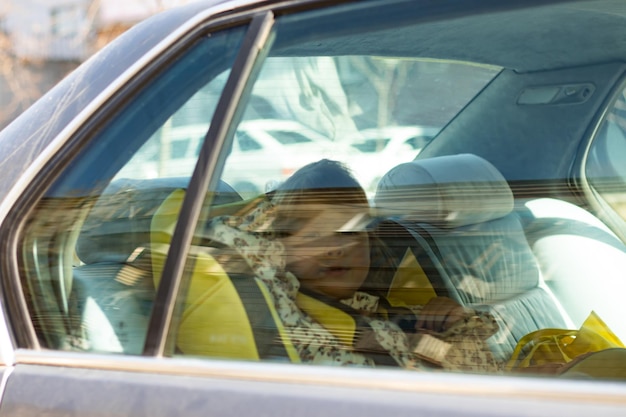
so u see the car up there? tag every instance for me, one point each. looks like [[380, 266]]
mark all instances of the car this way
[[482, 277], [270, 149], [385, 148]]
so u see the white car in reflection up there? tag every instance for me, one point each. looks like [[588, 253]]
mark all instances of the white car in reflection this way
[[264, 153], [380, 149]]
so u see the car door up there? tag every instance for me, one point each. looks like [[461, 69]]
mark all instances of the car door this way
[[129, 290], [83, 307]]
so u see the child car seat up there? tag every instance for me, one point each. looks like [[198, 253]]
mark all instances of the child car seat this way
[[227, 312], [111, 291]]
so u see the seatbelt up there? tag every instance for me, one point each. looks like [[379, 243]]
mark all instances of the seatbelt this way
[[270, 340], [325, 311]]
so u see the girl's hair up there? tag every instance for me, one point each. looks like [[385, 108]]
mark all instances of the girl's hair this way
[[322, 182]]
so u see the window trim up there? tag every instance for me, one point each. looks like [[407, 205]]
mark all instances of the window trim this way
[[579, 178], [70, 142]]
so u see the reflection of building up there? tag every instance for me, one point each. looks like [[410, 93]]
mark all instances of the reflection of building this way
[[49, 29], [42, 40], [70, 29]]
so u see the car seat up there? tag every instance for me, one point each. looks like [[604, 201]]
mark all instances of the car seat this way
[[227, 311], [582, 260], [463, 234], [111, 291]]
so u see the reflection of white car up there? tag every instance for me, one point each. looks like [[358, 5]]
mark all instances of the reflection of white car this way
[[264, 153], [382, 149]]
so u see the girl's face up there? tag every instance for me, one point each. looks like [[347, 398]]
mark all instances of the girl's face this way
[[324, 258]]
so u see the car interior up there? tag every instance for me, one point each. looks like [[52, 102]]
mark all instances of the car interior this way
[[499, 257]]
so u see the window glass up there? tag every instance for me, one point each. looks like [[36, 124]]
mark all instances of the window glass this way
[[350, 108], [328, 259], [328, 237], [89, 251], [386, 258], [605, 168]]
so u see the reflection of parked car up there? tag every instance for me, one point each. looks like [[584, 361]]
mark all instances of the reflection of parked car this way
[[386, 147], [264, 153]]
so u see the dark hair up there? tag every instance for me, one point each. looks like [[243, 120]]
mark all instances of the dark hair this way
[[322, 182], [325, 181]]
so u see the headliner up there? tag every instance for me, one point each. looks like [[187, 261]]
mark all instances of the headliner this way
[[539, 38]]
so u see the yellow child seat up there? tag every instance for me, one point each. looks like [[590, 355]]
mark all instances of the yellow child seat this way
[[111, 292], [226, 314]]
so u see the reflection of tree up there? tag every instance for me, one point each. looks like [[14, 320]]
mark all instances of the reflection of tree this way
[[310, 92], [388, 91], [386, 76]]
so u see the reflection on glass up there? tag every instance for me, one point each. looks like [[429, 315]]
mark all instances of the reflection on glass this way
[[87, 252]]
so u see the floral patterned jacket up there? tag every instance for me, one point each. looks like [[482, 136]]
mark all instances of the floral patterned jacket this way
[[461, 348]]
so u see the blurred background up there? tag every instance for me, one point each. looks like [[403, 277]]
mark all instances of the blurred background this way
[[43, 40]]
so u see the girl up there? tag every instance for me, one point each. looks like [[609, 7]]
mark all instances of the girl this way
[[310, 244]]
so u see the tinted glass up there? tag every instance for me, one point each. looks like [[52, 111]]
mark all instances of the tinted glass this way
[[424, 254], [411, 255], [87, 250], [291, 273]]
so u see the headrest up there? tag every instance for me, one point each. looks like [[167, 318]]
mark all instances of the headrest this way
[[447, 191], [119, 223]]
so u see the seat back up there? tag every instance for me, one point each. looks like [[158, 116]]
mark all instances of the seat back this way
[[582, 260], [459, 211], [112, 290]]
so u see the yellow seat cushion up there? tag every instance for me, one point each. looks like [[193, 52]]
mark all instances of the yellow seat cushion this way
[[214, 321]]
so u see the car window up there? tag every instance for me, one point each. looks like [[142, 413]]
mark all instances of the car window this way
[[180, 148], [86, 250], [415, 143], [371, 145], [342, 257], [287, 273], [315, 228]]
